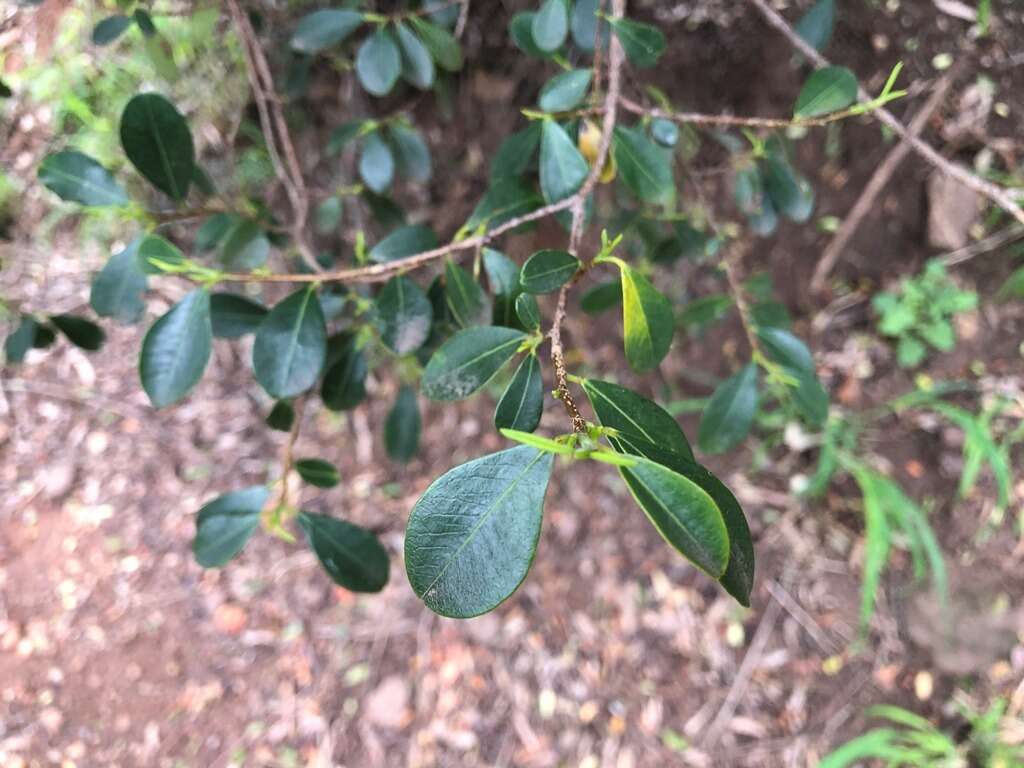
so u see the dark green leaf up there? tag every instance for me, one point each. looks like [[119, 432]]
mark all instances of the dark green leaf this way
[[521, 31], [246, 246], [79, 331], [562, 167], [826, 90], [647, 321], [466, 299], [5, 90], [507, 199], [642, 43], [583, 25], [440, 42], [226, 524], [176, 349], [343, 134], [815, 26], [110, 28], [404, 241], [546, 271], [322, 29], [551, 25], [232, 315], [145, 22], [327, 216], [521, 406], [352, 556], [157, 255], [417, 63], [378, 62], [643, 167], [473, 535], [601, 297], [789, 192], [78, 178], [118, 288], [376, 163], [785, 349], [344, 384], [318, 472], [515, 155], [527, 311], [403, 315], [20, 340], [281, 416], [468, 360], [411, 152], [665, 132], [730, 412], [213, 230], [158, 143], [502, 272], [565, 91], [402, 428], [290, 346]]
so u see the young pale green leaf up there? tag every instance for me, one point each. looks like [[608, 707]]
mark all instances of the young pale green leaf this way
[[562, 168], [468, 360], [790, 193], [682, 512], [545, 444], [527, 311], [158, 143], [473, 535], [161, 56], [548, 270], [602, 297], [440, 42], [642, 43], [344, 385], [233, 316], [118, 288], [815, 26], [506, 199], [826, 90], [403, 315], [730, 412], [226, 524], [379, 63], [515, 154], [550, 25], [322, 29], [647, 321], [78, 178], [318, 472], [643, 167], [281, 416], [402, 428], [466, 300], [411, 152], [176, 349], [565, 91], [376, 163], [877, 537], [79, 331], [157, 255], [352, 556], [290, 346], [109, 29], [417, 63], [521, 406], [404, 241]]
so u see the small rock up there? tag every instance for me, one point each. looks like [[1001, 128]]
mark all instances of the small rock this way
[[388, 705], [952, 210], [230, 618]]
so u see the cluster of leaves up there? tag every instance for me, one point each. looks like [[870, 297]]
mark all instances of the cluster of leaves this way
[[919, 313]]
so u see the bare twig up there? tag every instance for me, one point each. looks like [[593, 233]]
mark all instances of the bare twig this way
[[998, 195], [875, 186], [1006, 235], [741, 121], [802, 617]]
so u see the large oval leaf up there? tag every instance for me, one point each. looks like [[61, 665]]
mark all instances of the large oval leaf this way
[[565, 91], [417, 63], [790, 193], [546, 271], [473, 535], [291, 344], [521, 406], [225, 525], [440, 42], [404, 241], [826, 90], [562, 168], [550, 25], [118, 288], [684, 514], [411, 152], [506, 199], [468, 360], [78, 178], [344, 384], [322, 29], [647, 321], [402, 427], [352, 556], [642, 43], [730, 412], [376, 163], [379, 63], [403, 315], [79, 331], [466, 299], [644, 168], [158, 142], [815, 26], [176, 349], [234, 315], [318, 472], [109, 29]]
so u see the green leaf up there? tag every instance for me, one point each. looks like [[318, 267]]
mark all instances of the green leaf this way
[[826, 90], [602, 297], [440, 42], [910, 352], [290, 346], [110, 28], [815, 26], [161, 56], [118, 288], [323, 29], [233, 315], [665, 132], [281, 416], [158, 143], [225, 525], [327, 215], [344, 384], [550, 25], [352, 556], [730, 412], [402, 428], [156, 254], [411, 153], [544, 444], [473, 535], [878, 743], [318, 472], [682, 512], [521, 406], [465, 298], [502, 272], [213, 230], [702, 312], [79, 331], [515, 154], [527, 311], [176, 349], [404, 241], [376, 163], [21, 340], [345, 133], [378, 62], [789, 192], [565, 91], [642, 43], [548, 270], [468, 360], [643, 167], [403, 315], [506, 199], [520, 29], [647, 321], [145, 22], [583, 25], [785, 349], [562, 168], [877, 540], [417, 63], [245, 246], [78, 178]]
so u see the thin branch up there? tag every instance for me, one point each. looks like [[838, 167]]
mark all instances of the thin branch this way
[[998, 195], [875, 186], [1010, 233], [737, 121]]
